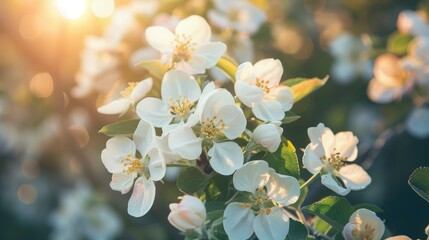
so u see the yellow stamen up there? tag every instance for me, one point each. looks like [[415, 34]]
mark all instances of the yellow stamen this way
[[181, 106], [127, 91], [132, 164], [263, 84], [183, 47], [212, 127]]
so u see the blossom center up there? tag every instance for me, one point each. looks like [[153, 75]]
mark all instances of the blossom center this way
[[183, 47], [212, 127], [336, 161], [132, 164], [181, 106], [263, 84], [366, 233], [128, 90], [260, 202]]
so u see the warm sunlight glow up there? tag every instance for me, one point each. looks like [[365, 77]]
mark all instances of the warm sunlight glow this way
[[102, 8], [71, 9]]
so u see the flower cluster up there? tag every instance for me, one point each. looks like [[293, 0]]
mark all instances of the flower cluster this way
[[192, 122]]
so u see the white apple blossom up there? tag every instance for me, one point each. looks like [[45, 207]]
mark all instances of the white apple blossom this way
[[189, 48], [414, 23], [258, 87], [189, 214], [390, 80], [330, 155], [120, 159], [417, 61], [83, 215], [216, 116], [130, 97], [179, 93], [98, 68], [263, 212], [268, 136], [350, 57], [363, 224], [239, 15], [417, 122]]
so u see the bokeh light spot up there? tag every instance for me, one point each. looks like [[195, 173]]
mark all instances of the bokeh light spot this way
[[71, 9], [42, 85], [102, 8], [27, 193]]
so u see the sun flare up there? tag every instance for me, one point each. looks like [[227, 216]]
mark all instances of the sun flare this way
[[71, 9]]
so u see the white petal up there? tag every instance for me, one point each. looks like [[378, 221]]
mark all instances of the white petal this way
[[348, 231], [238, 222], [117, 106], [251, 176], [159, 38], [141, 89], [176, 84], [117, 149], [329, 181], [210, 53], [162, 144], [311, 160], [249, 95], [144, 135], [274, 226], [269, 110], [246, 73], [216, 100], [283, 189], [380, 93], [155, 111], [282, 94], [142, 198], [191, 67], [234, 119], [268, 136], [157, 166], [183, 141], [417, 123], [322, 138], [270, 70], [196, 27], [122, 182], [354, 177], [346, 145], [226, 157], [400, 237]]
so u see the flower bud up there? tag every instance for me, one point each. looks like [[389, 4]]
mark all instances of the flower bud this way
[[268, 135], [189, 214]]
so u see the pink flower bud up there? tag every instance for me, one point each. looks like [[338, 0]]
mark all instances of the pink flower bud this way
[[189, 214]]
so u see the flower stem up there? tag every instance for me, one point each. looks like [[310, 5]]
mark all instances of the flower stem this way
[[228, 65], [310, 180]]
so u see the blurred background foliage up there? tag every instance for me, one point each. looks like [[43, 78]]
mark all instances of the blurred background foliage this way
[[50, 143]]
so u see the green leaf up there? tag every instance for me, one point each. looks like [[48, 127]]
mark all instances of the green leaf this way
[[397, 43], [191, 180], [368, 206], [290, 117], [122, 128], [213, 215], [302, 87], [284, 160], [297, 231], [334, 210], [155, 68], [419, 182], [321, 226], [228, 66]]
